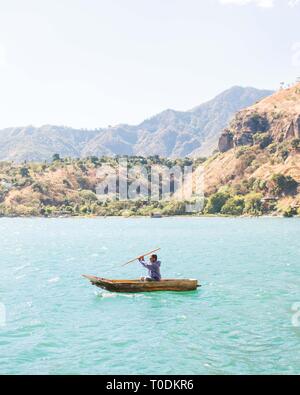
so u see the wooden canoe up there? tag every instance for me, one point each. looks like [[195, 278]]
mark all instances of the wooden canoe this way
[[133, 286]]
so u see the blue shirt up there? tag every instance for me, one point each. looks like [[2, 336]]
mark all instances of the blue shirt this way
[[153, 269]]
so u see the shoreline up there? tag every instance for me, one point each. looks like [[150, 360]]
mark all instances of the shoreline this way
[[145, 216]]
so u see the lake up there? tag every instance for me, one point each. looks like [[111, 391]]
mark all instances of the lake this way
[[244, 320]]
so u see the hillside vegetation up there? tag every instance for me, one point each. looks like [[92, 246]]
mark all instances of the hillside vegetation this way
[[69, 187], [255, 172], [260, 153]]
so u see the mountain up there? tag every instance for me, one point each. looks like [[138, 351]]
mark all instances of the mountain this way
[[215, 115], [276, 118], [260, 152], [168, 134], [256, 171], [38, 144]]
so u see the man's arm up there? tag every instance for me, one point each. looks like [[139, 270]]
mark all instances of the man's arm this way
[[145, 264]]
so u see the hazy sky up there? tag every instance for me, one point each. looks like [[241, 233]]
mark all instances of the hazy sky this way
[[91, 63]]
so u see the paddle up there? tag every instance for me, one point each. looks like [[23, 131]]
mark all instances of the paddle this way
[[148, 253]]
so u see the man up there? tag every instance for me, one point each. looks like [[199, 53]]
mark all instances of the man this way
[[153, 268]]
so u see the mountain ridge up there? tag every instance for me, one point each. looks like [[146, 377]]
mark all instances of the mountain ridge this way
[[170, 133], [260, 153]]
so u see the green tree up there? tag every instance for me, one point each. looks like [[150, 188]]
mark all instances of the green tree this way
[[216, 202], [94, 160], [24, 172], [253, 203], [234, 206], [88, 195], [281, 184], [262, 139], [55, 158], [84, 209], [174, 208], [290, 212], [295, 144]]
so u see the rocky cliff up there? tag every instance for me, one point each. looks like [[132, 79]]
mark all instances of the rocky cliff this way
[[260, 146], [274, 119]]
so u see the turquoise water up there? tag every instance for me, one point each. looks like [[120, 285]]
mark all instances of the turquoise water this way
[[240, 321]]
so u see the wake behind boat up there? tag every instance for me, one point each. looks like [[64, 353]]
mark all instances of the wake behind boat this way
[[133, 286]]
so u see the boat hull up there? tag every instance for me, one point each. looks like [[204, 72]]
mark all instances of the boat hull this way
[[134, 286]]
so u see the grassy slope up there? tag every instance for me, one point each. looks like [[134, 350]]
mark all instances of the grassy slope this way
[[68, 187]]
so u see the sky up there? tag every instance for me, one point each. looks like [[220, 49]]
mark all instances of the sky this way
[[94, 63]]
